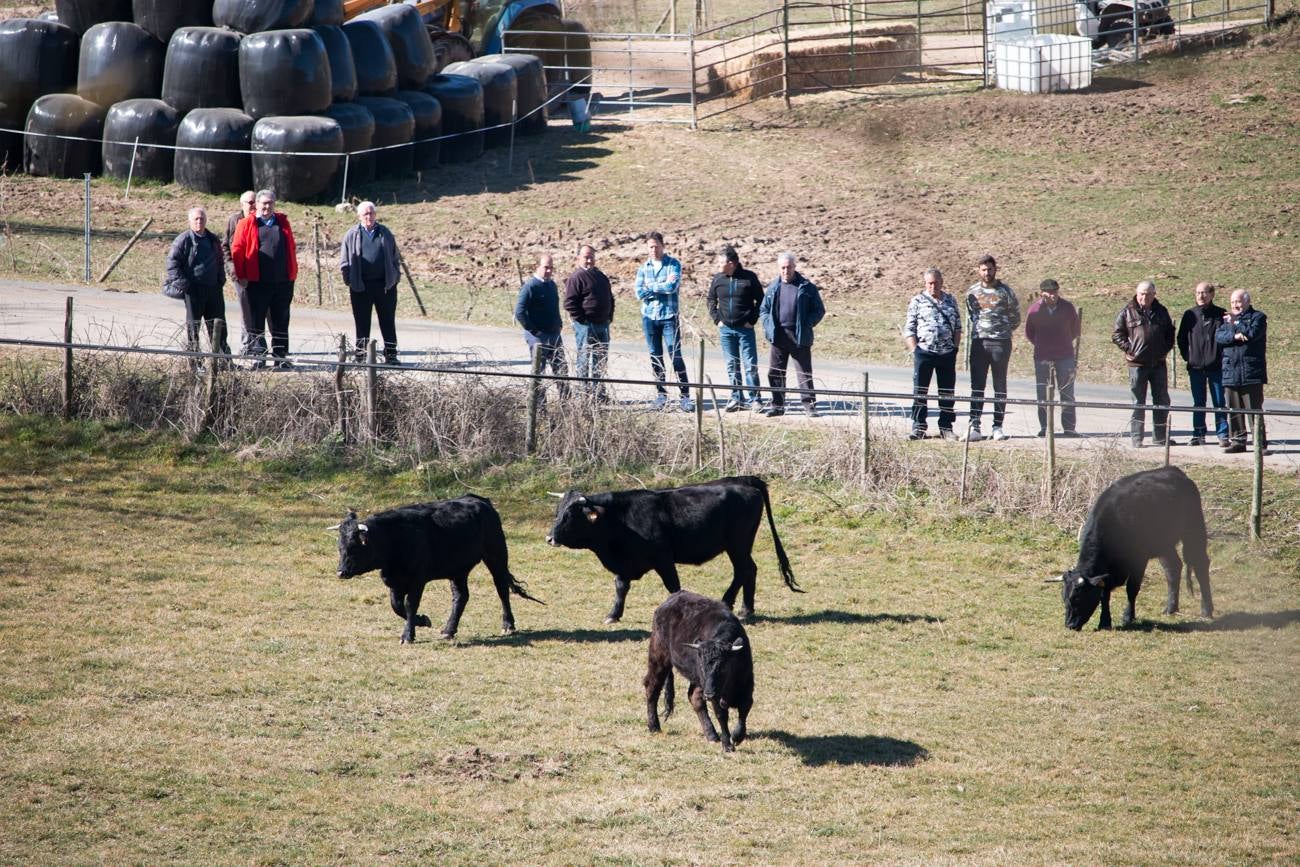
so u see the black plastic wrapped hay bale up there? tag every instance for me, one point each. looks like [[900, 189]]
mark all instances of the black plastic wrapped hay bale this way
[[163, 18], [343, 71], [63, 114], [284, 72], [36, 58], [409, 38], [209, 171], [11, 143], [285, 167], [81, 15], [358, 126], [152, 121], [530, 79], [202, 69], [499, 83], [461, 98], [254, 16], [326, 13], [119, 61], [428, 125], [372, 57], [394, 125]]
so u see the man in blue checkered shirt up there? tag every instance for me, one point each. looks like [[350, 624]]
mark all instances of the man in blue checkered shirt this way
[[657, 284]]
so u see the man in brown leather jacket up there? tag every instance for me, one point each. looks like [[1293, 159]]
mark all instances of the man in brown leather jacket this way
[[1145, 331]]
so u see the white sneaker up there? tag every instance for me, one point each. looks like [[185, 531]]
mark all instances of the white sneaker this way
[[688, 405], [972, 434], [998, 435]]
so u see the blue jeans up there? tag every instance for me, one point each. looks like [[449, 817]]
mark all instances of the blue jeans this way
[[943, 366], [657, 333], [1198, 380], [552, 353], [738, 343], [593, 350]]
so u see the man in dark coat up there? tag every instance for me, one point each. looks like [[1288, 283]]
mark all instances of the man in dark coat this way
[[734, 298], [537, 310], [1144, 331], [589, 301], [369, 262], [1204, 359], [1243, 334], [264, 255], [194, 265], [791, 308]]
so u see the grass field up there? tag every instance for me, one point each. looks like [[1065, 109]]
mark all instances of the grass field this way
[[182, 679]]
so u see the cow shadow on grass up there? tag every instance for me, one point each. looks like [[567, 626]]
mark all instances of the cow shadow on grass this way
[[524, 638], [1234, 621], [833, 616], [819, 750]]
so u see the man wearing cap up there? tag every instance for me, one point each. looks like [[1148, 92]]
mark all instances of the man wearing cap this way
[[1052, 326], [994, 314]]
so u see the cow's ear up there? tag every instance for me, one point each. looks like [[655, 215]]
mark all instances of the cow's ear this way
[[1098, 580], [363, 533], [738, 645]]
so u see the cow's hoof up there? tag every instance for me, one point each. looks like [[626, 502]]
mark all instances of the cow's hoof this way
[[407, 640], [744, 614], [611, 620], [738, 736], [1207, 613], [447, 636], [1171, 609], [508, 629], [423, 620], [728, 748]]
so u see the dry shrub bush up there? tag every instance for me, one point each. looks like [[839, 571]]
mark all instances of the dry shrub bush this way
[[478, 420]]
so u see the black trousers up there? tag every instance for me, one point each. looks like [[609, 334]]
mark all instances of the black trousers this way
[[271, 301], [1239, 425], [204, 305], [778, 358], [986, 355], [384, 304]]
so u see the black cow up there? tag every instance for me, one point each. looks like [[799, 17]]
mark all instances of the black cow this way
[[706, 643], [416, 544], [632, 532], [1136, 518]]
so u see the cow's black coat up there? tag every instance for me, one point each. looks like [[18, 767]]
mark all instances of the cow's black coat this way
[[707, 644], [1138, 517], [416, 544], [632, 532]]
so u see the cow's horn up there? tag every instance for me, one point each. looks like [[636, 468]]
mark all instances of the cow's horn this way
[[363, 528], [1053, 579], [582, 499], [738, 644], [555, 494], [331, 529], [694, 645]]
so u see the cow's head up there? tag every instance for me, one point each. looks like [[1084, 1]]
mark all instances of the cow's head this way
[[579, 523], [718, 660], [356, 554], [1081, 595]]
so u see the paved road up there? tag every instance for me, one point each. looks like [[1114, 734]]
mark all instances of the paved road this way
[[31, 310]]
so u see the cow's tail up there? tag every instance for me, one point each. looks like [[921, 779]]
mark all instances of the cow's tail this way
[[669, 695], [786, 571], [519, 588], [1187, 576]]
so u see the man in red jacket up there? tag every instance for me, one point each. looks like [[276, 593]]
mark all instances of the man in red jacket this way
[[263, 253]]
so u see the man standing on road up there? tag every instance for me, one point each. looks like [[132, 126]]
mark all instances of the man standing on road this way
[[657, 283], [734, 298], [1052, 326], [250, 343], [792, 306], [1243, 334], [369, 262], [994, 314], [932, 332], [1204, 358], [1144, 331], [265, 256], [538, 311], [589, 301], [194, 265]]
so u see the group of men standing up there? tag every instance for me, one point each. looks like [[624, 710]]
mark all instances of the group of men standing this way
[[789, 309], [1224, 352]]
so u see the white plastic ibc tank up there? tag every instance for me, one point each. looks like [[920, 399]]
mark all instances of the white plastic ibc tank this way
[[1044, 64]]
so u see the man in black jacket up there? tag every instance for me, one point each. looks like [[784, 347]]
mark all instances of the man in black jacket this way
[[195, 265], [734, 298], [1145, 332], [1204, 360], [589, 301], [1243, 335], [538, 310]]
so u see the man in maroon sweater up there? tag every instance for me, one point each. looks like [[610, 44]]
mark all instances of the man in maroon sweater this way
[[1052, 326]]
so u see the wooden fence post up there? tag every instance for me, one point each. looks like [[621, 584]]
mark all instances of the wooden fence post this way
[[965, 458], [338, 388], [866, 425], [67, 361], [210, 380], [785, 52], [372, 391], [320, 289], [534, 397], [699, 411], [1051, 439], [1257, 488], [129, 244]]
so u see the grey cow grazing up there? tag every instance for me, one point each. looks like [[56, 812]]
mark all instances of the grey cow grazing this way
[[707, 644], [1138, 517]]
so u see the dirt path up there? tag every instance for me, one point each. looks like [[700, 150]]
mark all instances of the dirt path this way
[[35, 311]]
